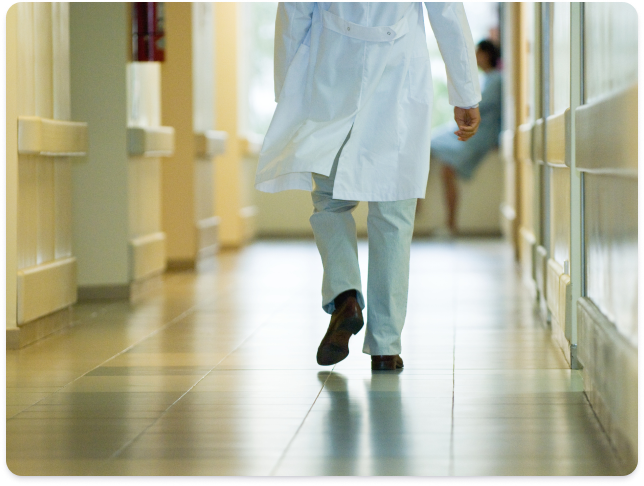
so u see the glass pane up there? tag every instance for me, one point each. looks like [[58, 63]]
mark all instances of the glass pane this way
[[560, 85], [610, 47]]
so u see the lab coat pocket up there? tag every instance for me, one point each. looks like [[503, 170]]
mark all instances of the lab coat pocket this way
[[420, 80], [337, 77]]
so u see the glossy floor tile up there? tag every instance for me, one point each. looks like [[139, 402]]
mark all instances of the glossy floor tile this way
[[215, 374]]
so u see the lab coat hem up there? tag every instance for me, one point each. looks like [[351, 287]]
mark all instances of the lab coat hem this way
[[371, 197], [285, 182]]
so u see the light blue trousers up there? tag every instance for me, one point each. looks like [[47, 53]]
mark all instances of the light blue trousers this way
[[390, 226]]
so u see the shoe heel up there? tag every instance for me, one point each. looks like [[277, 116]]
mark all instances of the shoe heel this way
[[383, 366], [386, 363]]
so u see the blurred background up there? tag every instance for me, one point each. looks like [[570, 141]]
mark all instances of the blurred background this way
[[133, 132]]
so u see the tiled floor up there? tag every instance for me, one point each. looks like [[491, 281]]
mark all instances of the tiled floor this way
[[216, 375]]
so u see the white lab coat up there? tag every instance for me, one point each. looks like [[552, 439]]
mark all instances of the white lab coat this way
[[362, 67]]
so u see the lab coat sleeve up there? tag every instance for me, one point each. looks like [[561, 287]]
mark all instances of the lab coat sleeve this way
[[454, 39], [291, 26]]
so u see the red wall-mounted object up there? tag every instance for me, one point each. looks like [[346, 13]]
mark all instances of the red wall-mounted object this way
[[148, 37]]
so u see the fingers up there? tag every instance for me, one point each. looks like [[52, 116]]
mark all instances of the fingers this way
[[468, 122], [465, 132]]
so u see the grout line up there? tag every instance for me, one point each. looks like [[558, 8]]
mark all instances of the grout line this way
[[156, 331], [288, 446], [170, 323], [131, 441], [616, 455], [450, 471]]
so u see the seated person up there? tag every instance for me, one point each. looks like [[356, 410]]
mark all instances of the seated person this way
[[459, 159]]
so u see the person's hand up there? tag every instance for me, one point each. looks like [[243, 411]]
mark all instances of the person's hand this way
[[468, 122]]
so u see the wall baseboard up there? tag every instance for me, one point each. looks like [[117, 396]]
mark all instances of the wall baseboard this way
[[527, 244], [148, 255], [103, 292], [207, 237], [143, 288], [180, 265], [540, 273], [507, 218], [609, 371], [247, 216], [32, 331], [134, 291], [45, 288], [559, 299]]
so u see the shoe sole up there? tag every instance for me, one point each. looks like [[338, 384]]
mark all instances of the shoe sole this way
[[332, 353], [385, 367]]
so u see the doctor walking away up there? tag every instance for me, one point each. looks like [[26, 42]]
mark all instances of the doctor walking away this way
[[354, 100]]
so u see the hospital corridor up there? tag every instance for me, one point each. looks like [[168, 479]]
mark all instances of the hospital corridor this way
[[163, 315]]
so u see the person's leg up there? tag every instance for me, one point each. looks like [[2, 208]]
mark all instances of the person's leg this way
[[451, 195], [335, 235], [390, 226]]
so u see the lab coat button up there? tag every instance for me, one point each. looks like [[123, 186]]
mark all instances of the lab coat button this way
[[348, 28]]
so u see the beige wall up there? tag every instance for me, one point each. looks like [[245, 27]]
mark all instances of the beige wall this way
[[231, 174], [178, 170], [188, 105], [41, 269], [12, 168]]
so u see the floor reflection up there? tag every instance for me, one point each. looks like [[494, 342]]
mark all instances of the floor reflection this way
[[216, 375]]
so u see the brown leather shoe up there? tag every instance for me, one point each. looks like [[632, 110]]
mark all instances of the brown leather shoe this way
[[392, 362], [345, 321]]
